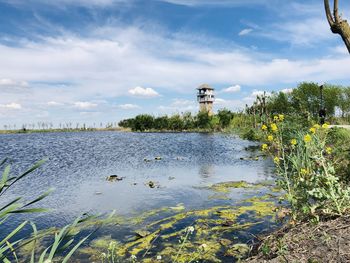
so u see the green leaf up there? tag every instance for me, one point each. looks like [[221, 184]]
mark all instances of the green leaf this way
[[65, 260], [40, 197], [29, 210], [33, 168], [14, 232], [35, 233], [4, 178], [11, 203]]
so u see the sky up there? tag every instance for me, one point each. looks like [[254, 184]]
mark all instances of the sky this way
[[93, 61]]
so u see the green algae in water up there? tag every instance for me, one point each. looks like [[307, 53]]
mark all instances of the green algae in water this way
[[165, 236]]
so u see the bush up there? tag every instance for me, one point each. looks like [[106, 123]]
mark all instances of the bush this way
[[306, 171]]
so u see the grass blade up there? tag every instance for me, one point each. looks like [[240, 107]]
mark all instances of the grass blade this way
[[40, 197]]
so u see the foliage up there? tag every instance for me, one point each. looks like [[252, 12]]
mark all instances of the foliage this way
[[11, 243], [306, 171], [185, 122], [304, 100]]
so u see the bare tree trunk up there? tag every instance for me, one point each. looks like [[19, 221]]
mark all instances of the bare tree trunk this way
[[337, 24]]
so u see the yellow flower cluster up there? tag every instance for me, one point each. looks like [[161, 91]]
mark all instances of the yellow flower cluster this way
[[325, 126], [304, 171], [264, 147], [270, 138], [280, 117], [293, 142], [328, 150], [274, 127], [313, 130], [264, 127], [307, 138], [276, 160]]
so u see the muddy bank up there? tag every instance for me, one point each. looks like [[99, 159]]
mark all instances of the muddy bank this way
[[329, 241]]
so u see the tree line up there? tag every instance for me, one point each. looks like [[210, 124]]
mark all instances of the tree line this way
[[180, 122], [305, 100]]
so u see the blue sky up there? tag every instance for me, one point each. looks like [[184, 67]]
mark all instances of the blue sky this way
[[92, 61]]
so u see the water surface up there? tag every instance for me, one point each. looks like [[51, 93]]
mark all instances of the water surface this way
[[78, 163]]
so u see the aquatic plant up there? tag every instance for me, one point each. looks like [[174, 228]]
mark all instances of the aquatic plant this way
[[14, 240]]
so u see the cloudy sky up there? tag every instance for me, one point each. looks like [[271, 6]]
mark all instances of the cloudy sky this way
[[105, 60]]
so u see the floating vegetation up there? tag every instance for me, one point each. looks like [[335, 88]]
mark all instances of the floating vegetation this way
[[114, 178], [161, 234]]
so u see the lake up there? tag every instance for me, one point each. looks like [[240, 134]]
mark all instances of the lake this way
[[78, 164]]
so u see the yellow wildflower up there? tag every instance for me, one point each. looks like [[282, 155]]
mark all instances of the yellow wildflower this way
[[264, 127], [270, 138], [281, 117], [274, 127], [328, 150], [307, 138], [316, 126], [275, 118], [293, 141], [313, 130], [325, 126], [304, 171], [264, 147], [276, 160]]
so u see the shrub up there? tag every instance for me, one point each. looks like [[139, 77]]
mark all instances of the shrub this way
[[306, 171]]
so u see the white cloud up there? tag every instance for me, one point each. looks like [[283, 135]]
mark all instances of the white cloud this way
[[120, 57], [143, 92], [306, 32], [252, 97], [10, 83], [54, 104], [180, 105], [84, 105], [128, 106], [232, 89], [287, 91], [11, 106], [229, 104], [245, 31]]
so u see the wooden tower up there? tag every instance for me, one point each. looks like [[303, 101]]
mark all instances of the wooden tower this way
[[205, 98]]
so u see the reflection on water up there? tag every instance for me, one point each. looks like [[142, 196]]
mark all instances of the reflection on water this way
[[206, 171], [78, 164]]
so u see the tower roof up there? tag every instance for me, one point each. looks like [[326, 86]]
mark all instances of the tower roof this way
[[205, 86]]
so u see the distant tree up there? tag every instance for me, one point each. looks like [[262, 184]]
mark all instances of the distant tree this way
[[225, 116], [188, 121], [337, 24], [161, 123], [279, 103], [143, 122], [306, 98], [344, 101], [203, 120], [176, 123]]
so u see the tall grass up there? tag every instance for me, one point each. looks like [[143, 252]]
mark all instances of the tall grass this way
[[63, 243]]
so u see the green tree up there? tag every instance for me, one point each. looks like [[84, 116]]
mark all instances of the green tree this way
[[279, 103], [161, 123], [225, 116], [188, 121], [306, 98], [203, 120], [344, 101], [143, 122]]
